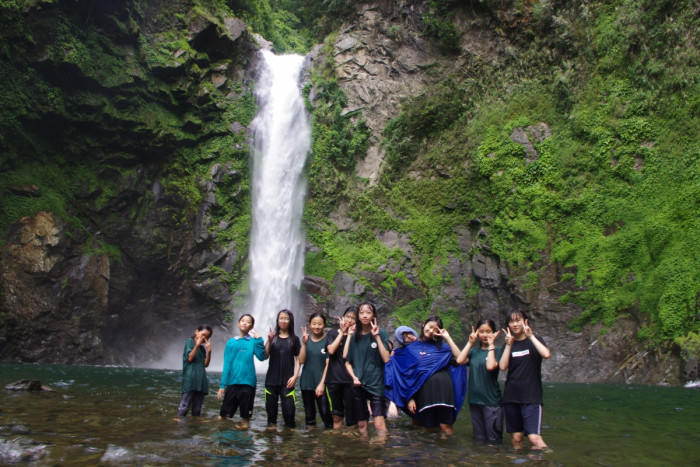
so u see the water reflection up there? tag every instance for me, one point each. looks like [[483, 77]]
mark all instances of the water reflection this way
[[126, 416]]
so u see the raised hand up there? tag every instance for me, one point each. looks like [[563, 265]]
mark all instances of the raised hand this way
[[443, 333], [344, 325], [352, 328], [474, 336], [271, 334], [492, 338], [199, 340], [207, 345], [375, 328], [304, 335], [509, 336], [527, 330], [254, 332]]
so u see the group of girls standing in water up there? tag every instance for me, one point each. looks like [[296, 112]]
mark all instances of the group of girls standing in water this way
[[351, 374]]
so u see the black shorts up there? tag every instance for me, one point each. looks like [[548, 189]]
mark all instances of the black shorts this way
[[360, 398], [238, 395], [523, 418]]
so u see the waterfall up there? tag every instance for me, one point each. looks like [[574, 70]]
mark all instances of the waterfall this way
[[282, 142]]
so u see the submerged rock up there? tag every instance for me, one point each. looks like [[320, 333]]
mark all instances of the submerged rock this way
[[28, 385]]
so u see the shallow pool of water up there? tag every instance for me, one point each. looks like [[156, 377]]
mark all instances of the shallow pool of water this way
[[127, 416]]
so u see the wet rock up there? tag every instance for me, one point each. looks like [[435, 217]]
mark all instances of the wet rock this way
[[25, 385]]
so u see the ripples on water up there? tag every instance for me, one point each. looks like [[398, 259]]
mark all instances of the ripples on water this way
[[126, 416]]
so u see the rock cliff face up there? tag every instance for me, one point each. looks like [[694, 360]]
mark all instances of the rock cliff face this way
[[147, 131], [382, 57], [157, 245]]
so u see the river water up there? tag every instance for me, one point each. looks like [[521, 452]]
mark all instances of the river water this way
[[127, 416]]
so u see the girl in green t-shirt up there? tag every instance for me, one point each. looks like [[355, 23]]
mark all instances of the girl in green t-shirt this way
[[314, 357], [483, 388], [195, 358]]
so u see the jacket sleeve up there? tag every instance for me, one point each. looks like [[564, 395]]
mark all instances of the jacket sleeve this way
[[259, 349]]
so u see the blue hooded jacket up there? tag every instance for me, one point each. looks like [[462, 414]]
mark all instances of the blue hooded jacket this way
[[411, 366]]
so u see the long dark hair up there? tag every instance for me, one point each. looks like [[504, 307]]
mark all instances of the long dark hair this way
[[290, 329], [357, 317], [436, 340]]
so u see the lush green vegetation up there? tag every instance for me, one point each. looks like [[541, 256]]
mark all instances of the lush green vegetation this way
[[98, 108], [293, 25], [614, 193]]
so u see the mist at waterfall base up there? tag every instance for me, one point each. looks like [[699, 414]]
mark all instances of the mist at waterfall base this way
[[127, 416], [282, 136]]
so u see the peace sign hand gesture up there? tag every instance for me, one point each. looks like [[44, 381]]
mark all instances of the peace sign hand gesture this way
[[344, 325], [375, 328], [473, 336], [491, 339], [304, 335], [527, 329], [509, 336]]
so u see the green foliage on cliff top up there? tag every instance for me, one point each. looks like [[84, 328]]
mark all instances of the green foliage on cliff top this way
[[613, 193]]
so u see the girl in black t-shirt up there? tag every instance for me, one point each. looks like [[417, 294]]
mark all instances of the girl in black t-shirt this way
[[522, 396], [282, 348]]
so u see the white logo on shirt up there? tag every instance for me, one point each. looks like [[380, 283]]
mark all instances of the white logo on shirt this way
[[323, 351], [374, 345], [521, 353]]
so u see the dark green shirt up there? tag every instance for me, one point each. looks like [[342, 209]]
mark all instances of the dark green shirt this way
[[194, 376], [483, 384], [316, 356], [367, 362]]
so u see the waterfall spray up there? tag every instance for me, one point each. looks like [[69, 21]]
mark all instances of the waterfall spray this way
[[282, 142]]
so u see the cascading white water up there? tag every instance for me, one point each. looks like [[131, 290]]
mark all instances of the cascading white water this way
[[282, 142]]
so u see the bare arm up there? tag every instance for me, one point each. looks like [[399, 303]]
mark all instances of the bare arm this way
[[453, 347], [322, 385], [355, 381], [193, 352], [292, 381], [463, 357], [347, 341], [333, 346], [505, 358], [383, 352], [491, 363], [207, 347], [304, 340], [270, 336], [541, 348]]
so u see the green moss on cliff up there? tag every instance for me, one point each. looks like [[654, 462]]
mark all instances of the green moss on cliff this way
[[612, 193], [111, 102]]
